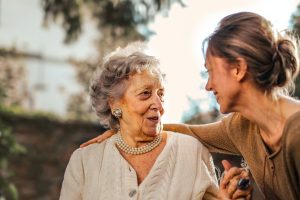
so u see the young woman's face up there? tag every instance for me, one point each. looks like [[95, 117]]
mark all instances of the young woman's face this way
[[142, 104], [222, 82]]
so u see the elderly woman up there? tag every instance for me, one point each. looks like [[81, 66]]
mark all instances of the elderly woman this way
[[141, 161]]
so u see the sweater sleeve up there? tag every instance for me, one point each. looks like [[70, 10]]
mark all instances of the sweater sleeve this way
[[212, 189], [206, 176], [72, 185], [217, 136], [291, 149]]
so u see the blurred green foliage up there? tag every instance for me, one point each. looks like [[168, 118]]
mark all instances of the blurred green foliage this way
[[9, 147], [9, 150], [20, 111], [121, 17]]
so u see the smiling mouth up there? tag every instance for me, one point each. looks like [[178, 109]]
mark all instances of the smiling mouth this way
[[216, 96], [154, 119]]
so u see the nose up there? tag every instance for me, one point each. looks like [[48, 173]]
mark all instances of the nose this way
[[208, 86], [157, 103]]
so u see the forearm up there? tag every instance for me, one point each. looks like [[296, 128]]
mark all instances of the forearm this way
[[180, 128], [211, 135]]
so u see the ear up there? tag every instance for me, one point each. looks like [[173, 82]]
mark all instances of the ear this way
[[111, 103], [240, 69], [114, 103]]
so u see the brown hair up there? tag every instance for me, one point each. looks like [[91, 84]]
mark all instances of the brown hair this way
[[272, 59]]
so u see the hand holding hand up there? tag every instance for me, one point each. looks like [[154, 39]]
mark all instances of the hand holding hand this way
[[235, 183]]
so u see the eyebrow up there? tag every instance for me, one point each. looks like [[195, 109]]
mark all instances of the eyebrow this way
[[139, 89], [144, 86], [148, 86]]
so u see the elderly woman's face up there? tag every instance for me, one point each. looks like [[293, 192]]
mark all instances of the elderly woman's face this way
[[142, 104]]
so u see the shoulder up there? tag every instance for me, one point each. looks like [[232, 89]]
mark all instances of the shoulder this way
[[235, 123], [187, 143], [89, 153], [291, 135], [190, 148], [93, 148], [236, 120], [182, 138]]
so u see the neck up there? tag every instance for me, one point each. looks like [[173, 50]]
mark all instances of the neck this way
[[265, 112], [135, 138], [123, 146]]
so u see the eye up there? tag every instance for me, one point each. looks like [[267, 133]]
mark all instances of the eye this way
[[208, 71], [145, 94], [161, 94]]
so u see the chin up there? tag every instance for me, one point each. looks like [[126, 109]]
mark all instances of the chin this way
[[151, 133], [224, 110]]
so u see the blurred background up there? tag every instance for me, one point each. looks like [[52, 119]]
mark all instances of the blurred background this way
[[49, 50]]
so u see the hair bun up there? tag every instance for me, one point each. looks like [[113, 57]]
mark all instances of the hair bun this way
[[285, 62]]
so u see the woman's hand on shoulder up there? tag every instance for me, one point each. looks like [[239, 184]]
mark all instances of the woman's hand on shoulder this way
[[100, 138], [235, 183]]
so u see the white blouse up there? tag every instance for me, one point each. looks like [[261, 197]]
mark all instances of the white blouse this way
[[183, 170]]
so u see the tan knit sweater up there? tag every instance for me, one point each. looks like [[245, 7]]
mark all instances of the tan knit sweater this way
[[182, 171], [277, 174]]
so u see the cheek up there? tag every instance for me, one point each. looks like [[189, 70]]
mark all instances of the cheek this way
[[140, 109], [232, 94], [162, 112], [137, 110]]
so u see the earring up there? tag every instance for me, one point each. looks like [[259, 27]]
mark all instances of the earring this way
[[117, 113]]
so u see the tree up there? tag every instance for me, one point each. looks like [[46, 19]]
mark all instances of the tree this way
[[9, 149], [118, 17], [13, 81], [119, 22], [12, 92]]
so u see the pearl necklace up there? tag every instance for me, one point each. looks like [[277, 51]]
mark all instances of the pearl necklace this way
[[137, 150]]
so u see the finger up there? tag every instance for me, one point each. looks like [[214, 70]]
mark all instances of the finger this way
[[229, 174], [245, 173], [226, 164], [106, 135], [231, 187], [99, 138], [242, 193], [248, 197], [223, 195], [92, 141]]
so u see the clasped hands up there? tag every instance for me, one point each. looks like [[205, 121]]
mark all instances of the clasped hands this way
[[235, 183]]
